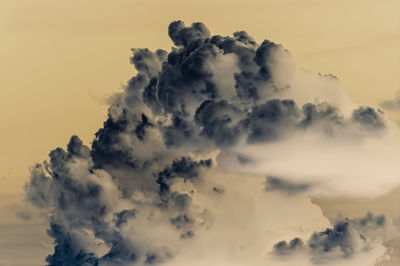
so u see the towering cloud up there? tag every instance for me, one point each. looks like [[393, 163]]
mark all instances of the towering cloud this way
[[177, 174]]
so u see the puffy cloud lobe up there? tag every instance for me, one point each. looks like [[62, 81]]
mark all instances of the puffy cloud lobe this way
[[370, 220], [285, 248], [220, 121], [67, 251], [291, 188], [341, 236], [84, 206], [146, 183], [255, 72], [184, 168], [104, 151], [39, 187], [340, 242], [368, 118], [147, 62], [182, 36], [267, 120], [320, 113], [244, 37], [186, 84], [184, 80]]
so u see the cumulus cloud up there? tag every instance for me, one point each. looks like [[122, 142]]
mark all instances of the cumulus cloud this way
[[338, 244], [176, 175]]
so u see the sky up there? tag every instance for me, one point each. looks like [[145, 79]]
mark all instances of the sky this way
[[62, 60]]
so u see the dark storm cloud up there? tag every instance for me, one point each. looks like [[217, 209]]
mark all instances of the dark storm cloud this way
[[315, 113], [285, 248], [147, 62], [182, 85], [184, 168], [79, 199], [244, 37], [254, 72], [184, 77], [207, 92], [76, 147], [279, 184], [343, 240], [340, 236], [104, 149], [186, 88], [266, 121], [182, 36], [263, 53], [217, 120], [66, 250], [108, 148], [368, 118], [370, 222]]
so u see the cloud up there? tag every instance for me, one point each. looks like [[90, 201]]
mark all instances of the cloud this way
[[337, 244], [392, 105], [176, 175], [181, 35], [285, 248], [279, 184], [368, 117]]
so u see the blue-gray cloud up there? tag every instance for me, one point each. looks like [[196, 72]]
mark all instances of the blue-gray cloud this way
[[145, 164]]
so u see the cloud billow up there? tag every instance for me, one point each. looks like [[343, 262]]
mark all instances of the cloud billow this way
[[175, 175], [344, 240]]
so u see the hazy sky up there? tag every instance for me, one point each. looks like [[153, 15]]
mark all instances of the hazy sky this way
[[60, 60]]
